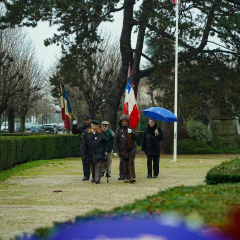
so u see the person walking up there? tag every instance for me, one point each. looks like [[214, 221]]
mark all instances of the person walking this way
[[95, 146], [106, 166], [151, 146], [121, 144], [81, 129]]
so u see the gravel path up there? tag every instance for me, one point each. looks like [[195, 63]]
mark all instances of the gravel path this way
[[28, 200]]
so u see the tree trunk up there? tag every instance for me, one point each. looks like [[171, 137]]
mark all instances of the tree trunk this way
[[10, 114], [22, 123]]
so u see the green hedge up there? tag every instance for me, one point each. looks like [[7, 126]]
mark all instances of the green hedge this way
[[19, 149], [190, 146], [226, 172]]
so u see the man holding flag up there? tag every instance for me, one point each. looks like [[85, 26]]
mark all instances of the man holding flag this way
[[127, 134]]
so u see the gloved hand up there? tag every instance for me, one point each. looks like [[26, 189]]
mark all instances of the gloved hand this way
[[156, 131], [115, 154], [106, 153], [74, 122], [129, 130]]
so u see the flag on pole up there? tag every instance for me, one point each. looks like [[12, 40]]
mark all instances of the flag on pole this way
[[66, 107], [62, 99], [175, 1], [130, 103]]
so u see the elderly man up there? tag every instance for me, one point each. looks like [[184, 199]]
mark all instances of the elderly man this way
[[121, 143], [110, 134], [81, 129], [95, 146]]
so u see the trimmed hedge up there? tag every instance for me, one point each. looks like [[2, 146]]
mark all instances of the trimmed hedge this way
[[190, 146], [226, 172], [20, 149]]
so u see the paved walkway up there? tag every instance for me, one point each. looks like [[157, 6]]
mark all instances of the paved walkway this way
[[28, 200]]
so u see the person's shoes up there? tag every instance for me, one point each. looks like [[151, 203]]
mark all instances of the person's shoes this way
[[108, 175], [121, 178], [85, 179], [93, 180], [154, 176], [149, 176], [97, 182], [102, 174], [132, 180], [127, 181]]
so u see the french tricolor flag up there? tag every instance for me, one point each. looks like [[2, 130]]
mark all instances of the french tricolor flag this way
[[130, 104]]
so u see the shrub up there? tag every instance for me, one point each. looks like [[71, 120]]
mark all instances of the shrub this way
[[226, 172], [221, 147], [18, 149], [190, 146], [198, 131], [166, 143]]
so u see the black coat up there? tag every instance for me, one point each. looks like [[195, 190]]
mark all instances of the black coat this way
[[94, 146], [82, 128], [151, 143]]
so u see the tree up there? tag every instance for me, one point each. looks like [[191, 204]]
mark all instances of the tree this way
[[198, 21], [90, 79]]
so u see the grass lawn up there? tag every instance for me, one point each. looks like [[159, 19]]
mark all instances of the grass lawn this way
[[37, 194]]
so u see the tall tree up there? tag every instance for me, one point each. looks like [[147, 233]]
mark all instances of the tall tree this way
[[198, 20], [90, 76]]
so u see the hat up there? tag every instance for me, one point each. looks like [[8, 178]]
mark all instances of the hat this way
[[105, 123], [85, 117], [95, 122]]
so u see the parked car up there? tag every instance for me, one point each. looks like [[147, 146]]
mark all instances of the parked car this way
[[49, 128], [4, 127], [37, 128], [28, 127], [60, 127], [34, 123]]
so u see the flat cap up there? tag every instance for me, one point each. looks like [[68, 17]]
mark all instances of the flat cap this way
[[95, 122], [87, 117], [105, 123]]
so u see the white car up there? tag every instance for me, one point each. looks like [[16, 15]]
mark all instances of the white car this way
[[4, 127]]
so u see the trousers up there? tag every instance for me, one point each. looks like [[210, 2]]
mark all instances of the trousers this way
[[129, 167], [96, 169], [106, 166], [155, 167], [86, 167]]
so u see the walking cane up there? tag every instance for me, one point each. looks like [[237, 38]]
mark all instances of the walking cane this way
[[107, 168]]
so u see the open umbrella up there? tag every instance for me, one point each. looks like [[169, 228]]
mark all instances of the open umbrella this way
[[160, 114]]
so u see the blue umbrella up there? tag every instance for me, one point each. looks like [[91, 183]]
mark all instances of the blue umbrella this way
[[160, 114]]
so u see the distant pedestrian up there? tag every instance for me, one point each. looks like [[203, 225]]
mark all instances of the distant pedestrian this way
[[95, 146], [151, 146], [121, 144], [81, 129], [106, 166]]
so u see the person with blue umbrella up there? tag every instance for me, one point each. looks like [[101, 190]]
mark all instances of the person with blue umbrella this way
[[151, 147]]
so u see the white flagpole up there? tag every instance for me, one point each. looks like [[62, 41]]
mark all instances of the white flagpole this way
[[176, 88]]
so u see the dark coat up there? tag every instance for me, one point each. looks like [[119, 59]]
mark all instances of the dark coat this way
[[82, 128], [94, 146], [121, 143], [151, 143]]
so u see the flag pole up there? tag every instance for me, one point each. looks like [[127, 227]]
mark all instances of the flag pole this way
[[176, 87]]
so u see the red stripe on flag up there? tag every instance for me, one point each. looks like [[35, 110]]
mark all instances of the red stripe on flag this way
[[134, 117], [175, 1], [67, 122]]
